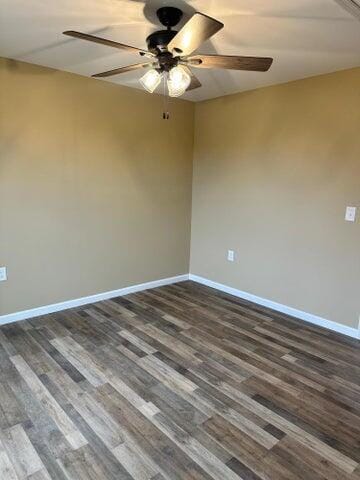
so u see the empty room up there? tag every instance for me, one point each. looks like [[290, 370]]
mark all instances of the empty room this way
[[180, 240]]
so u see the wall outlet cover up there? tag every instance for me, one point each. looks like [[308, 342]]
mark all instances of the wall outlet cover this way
[[3, 274]]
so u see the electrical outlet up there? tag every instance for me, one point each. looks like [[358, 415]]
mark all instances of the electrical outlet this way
[[3, 274], [350, 214], [231, 256]]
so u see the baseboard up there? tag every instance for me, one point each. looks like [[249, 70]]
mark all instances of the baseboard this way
[[57, 307], [307, 317]]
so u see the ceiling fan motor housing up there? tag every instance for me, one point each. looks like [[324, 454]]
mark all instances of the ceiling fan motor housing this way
[[158, 41], [169, 17]]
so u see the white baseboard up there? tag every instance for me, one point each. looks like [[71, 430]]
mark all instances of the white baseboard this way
[[57, 307], [307, 317]]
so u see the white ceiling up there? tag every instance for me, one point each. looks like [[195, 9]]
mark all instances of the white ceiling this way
[[305, 37]]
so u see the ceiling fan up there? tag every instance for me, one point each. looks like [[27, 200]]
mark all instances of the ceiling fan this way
[[169, 53]]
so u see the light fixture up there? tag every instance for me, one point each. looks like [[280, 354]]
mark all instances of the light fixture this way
[[178, 81], [151, 80]]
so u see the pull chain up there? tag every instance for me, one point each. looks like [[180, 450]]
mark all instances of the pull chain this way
[[166, 113]]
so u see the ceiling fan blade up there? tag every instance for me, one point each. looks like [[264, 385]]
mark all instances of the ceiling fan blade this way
[[195, 82], [104, 41], [199, 28], [117, 71], [256, 64]]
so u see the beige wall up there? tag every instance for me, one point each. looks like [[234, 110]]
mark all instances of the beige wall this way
[[273, 172], [95, 188]]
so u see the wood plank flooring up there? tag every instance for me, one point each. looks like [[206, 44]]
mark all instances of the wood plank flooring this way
[[180, 382]]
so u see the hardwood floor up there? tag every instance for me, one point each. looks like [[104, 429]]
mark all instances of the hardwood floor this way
[[179, 382]]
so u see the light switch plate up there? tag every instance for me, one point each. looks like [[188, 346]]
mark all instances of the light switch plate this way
[[3, 274], [350, 214], [231, 256]]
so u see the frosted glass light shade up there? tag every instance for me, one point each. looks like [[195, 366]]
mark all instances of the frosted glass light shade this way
[[151, 80], [178, 81]]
